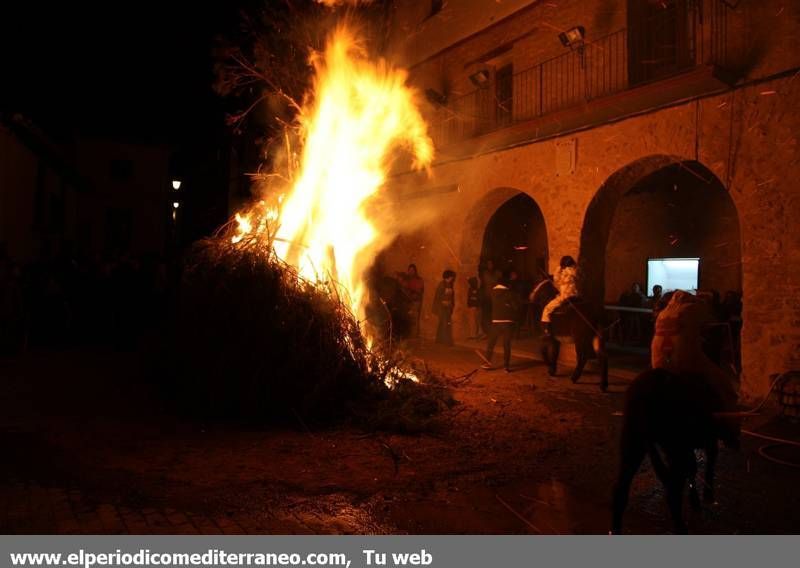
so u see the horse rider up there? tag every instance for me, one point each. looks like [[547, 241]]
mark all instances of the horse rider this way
[[566, 282]]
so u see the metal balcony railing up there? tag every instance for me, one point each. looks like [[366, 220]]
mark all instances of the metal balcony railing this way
[[665, 44]]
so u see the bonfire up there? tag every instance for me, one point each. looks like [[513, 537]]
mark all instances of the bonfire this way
[[274, 318]]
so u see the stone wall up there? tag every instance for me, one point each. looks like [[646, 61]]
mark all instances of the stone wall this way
[[756, 39], [530, 36], [37, 205], [18, 173], [143, 195], [416, 34]]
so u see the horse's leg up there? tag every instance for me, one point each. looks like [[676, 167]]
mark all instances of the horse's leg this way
[[599, 347], [582, 354], [679, 469], [632, 452], [604, 371], [545, 350], [694, 497], [555, 350], [712, 450]]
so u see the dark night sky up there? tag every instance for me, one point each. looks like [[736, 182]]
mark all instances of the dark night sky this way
[[127, 69]]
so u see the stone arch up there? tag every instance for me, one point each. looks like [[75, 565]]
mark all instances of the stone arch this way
[[639, 177], [515, 238], [477, 219]]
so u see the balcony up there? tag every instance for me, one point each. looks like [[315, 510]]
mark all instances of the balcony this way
[[669, 55]]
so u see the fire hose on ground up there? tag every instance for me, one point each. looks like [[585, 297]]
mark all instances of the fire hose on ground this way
[[776, 442]]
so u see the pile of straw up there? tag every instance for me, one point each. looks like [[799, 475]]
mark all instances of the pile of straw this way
[[255, 342]]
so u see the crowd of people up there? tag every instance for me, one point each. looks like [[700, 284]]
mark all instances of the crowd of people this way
[[500, 303], [63, 299], [723, 321], [479, 300]]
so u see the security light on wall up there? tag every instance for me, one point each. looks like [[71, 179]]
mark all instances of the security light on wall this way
[[435, 97], [573, 37], [480, 78]]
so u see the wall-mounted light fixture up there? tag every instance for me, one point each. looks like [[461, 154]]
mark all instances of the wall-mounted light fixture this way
[[176, 184], [574, 38], [480, 78], [435, 97]]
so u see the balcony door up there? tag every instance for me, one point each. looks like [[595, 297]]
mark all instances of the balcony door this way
[[660, 38], [504, 95]]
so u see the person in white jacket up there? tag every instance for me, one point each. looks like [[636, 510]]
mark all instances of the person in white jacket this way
[[566, 281]]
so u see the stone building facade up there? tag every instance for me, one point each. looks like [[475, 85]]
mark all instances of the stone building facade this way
[[40, 192], [669, 129], [82, 195]]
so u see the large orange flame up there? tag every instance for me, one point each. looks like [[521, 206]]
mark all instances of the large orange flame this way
[[359, 114]]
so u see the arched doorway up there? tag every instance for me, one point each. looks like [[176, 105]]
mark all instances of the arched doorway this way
[[680, 211], [659, 207], [659, 211], [515, 238], [508, 226]]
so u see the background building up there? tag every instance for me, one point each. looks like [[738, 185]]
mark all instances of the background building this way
[[614, 131]]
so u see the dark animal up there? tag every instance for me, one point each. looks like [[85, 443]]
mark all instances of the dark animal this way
[[572, 322], [672, 415]]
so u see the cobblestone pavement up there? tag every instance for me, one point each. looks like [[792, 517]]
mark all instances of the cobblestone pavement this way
[[33, 509], [90, 448]]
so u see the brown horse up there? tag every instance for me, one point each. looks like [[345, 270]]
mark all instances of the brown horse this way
[[572, 322]]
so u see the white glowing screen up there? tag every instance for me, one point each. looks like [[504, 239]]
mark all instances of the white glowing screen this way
[[673, 273]]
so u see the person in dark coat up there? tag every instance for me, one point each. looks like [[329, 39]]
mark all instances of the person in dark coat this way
[[474, 306], [505, 308], [443, 304], [413, 287]]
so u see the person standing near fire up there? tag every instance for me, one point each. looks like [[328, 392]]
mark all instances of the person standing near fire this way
[[443, 304], [474, 306], [505, 309], [413, 287], [566, 282]]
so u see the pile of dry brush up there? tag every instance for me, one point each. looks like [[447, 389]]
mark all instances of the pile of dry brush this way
[[255, 342]]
